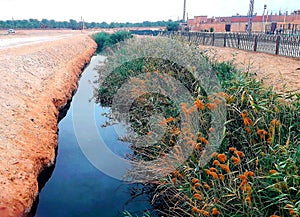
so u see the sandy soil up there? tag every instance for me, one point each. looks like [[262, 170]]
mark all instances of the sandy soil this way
[[36, 80], [283, 73]]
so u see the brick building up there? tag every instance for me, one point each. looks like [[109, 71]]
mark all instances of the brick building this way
[[288, 24]]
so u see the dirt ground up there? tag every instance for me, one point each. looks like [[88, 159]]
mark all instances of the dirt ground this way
[[36, 79], [282, 73]]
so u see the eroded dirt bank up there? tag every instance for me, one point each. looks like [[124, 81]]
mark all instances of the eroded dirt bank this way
[[35, 81]]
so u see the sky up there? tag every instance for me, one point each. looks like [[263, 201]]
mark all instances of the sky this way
[[133, 10]]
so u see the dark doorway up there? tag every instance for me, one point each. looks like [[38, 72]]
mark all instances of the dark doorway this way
[[228, 27]]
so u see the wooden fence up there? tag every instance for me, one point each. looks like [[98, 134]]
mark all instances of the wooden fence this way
[[273, 44]]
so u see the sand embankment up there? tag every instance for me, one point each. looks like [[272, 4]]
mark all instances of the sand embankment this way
[[36, 80]]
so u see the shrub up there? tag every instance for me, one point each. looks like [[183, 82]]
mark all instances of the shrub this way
[[105, 40]]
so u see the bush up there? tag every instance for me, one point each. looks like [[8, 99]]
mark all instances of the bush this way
[[105, 40]]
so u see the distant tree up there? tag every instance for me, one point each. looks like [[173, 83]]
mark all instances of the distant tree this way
[[172, 26], [73, 24]]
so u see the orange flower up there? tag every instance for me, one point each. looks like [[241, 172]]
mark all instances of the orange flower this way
[[247, 121], [222, 158], [270, 140], [203, 212], [174, 180], [198, 147], [240, 154], [249, 173], [214, 175], [214, 154], [208, 172], [248, 199], [197, 184], [274, 216], [195, 209], [215, 211], [216, 162], [170, 119], [274, 122], [233, 149], [248, 129], [197, 196], [236, 160], [191, 142], [244, 186], [224, 167], [243, 177], [262, 134], [273, 171], [194, 180], [175, 131], [292, 212], [213, 169], [199, 104], [222, 177], [244, 114], [184, 108], [206, 186], [248, 188], [203, 140], [211, 106]]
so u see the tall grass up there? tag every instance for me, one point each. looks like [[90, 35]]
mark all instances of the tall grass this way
[[255, 171]]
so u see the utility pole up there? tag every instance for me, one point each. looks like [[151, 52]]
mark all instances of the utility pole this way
[[250, 16], [82, 24], [13, 22], [184, 10], [263, 19]]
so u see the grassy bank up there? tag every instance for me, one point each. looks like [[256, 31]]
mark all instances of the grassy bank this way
[[254, 172]]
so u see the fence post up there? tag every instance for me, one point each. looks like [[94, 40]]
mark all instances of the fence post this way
[[277, 44], [204, 38], [255, 43], [225, 36], [189, 34], [239, 40], [213, 39]]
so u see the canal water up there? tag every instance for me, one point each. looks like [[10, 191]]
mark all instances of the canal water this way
[[76, 187]]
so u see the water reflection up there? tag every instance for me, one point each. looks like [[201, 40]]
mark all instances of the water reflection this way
[[76, 187]]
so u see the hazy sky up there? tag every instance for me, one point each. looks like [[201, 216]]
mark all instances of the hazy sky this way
[[133, 10]]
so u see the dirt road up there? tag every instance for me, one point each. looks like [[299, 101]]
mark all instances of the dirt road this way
[[282, 73], [37, 77]]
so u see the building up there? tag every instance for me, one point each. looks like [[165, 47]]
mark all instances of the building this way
[[269, 23]]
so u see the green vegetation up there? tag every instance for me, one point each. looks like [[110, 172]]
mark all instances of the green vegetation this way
[[105, 40], [73, 24], [255, 171], [172, 26]]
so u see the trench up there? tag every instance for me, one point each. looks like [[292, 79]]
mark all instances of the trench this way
[[74, 186]]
